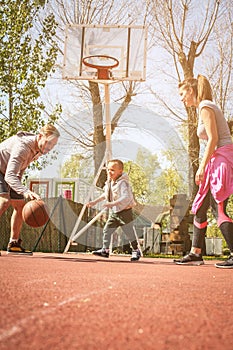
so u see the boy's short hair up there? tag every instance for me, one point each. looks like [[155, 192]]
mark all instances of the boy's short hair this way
[[118, 162]]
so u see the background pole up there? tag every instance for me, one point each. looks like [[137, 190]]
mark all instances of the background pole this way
[[108, 122]]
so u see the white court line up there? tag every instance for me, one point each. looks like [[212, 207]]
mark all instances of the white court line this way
[[4, 334]]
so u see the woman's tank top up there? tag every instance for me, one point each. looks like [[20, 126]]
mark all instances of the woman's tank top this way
[[224, 135]]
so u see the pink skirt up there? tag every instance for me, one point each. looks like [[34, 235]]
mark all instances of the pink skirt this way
[[218, 177]]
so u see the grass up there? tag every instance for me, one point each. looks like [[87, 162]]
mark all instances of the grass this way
[[170, 256]]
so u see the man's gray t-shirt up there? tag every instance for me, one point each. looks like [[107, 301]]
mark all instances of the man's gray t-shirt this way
[[16, 153]]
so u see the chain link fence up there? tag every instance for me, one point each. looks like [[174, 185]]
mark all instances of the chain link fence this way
[[54, 236]]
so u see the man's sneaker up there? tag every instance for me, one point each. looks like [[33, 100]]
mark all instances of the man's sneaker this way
[[136, 255], [227, 264], [101, 252], [15, 248], [190, 259]]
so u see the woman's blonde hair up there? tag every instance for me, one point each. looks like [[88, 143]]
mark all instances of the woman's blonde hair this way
[[200, 86], [49, 130]]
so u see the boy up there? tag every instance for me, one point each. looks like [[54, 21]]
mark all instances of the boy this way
[[118, 193]]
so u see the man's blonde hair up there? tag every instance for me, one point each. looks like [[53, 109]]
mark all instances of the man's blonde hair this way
[[49, 130]]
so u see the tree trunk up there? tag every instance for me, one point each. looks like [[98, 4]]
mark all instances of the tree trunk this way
[[193, 150], [98, 135], [193, 141], [99, 138]]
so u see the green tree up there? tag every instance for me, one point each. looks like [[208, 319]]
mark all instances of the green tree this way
[[142, 174], [77, 167], [185, 30], [167, 184], [212, 228], [138, 181], [28, 52], [170, 181], [150, 164], [152, 184]]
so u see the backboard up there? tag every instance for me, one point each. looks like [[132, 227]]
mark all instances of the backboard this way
[[128, 44]]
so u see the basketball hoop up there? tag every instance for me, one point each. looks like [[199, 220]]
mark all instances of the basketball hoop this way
[[103, 64]]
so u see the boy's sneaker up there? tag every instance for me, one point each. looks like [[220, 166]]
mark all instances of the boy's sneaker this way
[[227, 264], [190, 259], [101, 252], [136, 255], [15, 248]]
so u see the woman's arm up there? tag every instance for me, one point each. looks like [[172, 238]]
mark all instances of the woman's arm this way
[[208, 117]]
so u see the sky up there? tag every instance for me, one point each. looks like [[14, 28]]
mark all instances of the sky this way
[[140, 128], [142, 125]]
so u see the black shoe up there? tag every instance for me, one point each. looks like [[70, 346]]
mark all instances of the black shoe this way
[[101, 252], [136, 255], [15, 248], [190, 259], [228, 264]]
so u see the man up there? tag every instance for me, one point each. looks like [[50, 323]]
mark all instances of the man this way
[[16, 153]]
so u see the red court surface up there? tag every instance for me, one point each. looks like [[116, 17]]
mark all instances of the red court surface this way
[[78, 301]]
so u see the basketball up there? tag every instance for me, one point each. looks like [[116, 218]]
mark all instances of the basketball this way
[[35, 213]]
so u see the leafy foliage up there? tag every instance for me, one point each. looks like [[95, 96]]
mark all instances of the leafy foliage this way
[[213, 229], [167, 184], [77, 166], [150, 184], [138, 181], [27, 56]]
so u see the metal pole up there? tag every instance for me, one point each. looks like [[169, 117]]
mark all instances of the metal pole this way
[[108, 122], [83, 229]]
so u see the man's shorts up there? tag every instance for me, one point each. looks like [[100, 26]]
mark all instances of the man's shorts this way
[[5, 188]]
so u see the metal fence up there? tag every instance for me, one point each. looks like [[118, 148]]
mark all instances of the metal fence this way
[[53, 237]]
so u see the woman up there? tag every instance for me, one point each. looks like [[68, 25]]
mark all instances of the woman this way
[[215, 173]]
